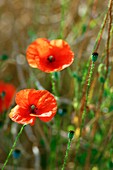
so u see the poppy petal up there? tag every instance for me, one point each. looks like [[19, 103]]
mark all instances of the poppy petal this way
[[22, 97], [31, 51], [42, 99], [49, 56], [21, 116], [37, 97], [47, 116], [9, 91], [37, 50], [33, 103], [45, 103], [62, 57], [65, 57]]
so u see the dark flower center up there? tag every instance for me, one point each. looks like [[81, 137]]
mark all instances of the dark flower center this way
[[51, 58], [33, 109], [2, 94]]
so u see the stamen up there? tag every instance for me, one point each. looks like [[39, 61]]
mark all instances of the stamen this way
[[2, 95], [32, 107], [51, 59]]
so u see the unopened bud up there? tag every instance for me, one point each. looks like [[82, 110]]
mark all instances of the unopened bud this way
[[71, 134], [94, 56]]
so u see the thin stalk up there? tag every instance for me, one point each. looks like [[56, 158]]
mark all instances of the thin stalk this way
[[97, 43], [66, 155], [96, 46], [108, 38], [14, 144], [87, 93], [53, 84], [70, 137], [99, 36], [89, 80]]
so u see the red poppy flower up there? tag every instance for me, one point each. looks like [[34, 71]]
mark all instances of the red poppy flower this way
[[49, 56], [7, 92], [33, 103]]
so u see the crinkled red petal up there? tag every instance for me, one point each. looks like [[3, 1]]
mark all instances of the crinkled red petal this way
[[21, 116], [45, 103], [37, 49], [9, 90], [22, 97], [63, 57]]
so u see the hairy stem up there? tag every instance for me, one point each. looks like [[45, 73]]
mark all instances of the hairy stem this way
[[66, 155], [14, 144]]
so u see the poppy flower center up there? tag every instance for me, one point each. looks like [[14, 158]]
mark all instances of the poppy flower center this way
[[51, 58], [33, 109], [2, 95]]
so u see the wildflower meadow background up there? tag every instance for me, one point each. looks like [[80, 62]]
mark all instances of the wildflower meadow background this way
[[56, 85]]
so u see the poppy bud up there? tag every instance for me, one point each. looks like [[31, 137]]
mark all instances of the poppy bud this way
[[94, 56], [71, 134]]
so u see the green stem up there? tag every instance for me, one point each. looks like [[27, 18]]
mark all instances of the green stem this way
[[89, 80], [66, 155], [85, 72], [99, 36], [14, 144], [83, 120], [97, 43], [87, 92], [53, 84]]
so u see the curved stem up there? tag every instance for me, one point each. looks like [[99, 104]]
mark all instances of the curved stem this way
[[14, 144], [66, 155], [89, 80]]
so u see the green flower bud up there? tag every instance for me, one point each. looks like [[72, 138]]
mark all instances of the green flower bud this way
[[94, 56], [71, 134]]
